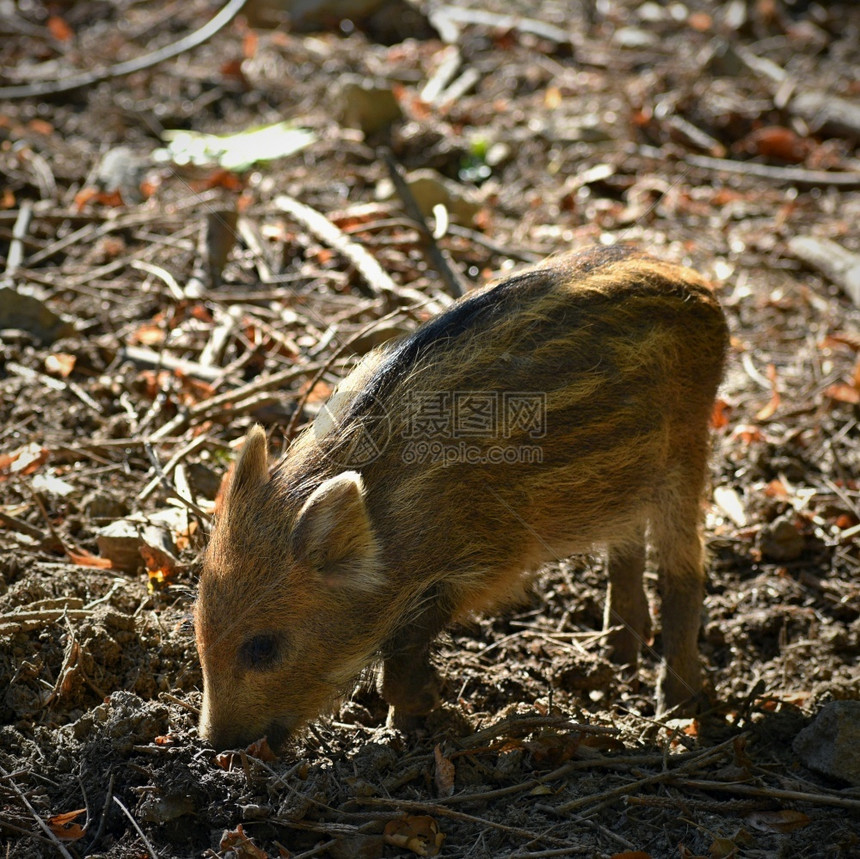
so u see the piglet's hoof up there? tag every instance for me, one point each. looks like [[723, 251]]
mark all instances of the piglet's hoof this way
[[409, 711]]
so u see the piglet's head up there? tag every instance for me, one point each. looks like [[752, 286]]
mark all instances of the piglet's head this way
[[285, 612]]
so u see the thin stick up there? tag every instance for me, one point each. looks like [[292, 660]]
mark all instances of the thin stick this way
[[440, 262], [443, 811], [768, 792], [366, 265], [198, 410], [44, 826], [300, 404], [198, 37], [134, 823], [607, 796], [788, 175]]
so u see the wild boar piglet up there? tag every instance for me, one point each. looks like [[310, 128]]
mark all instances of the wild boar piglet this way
[[558, 410]]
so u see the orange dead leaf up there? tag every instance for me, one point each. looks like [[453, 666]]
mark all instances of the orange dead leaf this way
[[416, 832], [82, 558], [632, 854], [59, 29], [165, 740], [84, 196], [201, 312], [720, 415], [219, 178], [445, 771], [41, 126], [194, 390], [90, 195], [261, 750], [60, 364], [228, 761], [723, 848], [552, 97], [747, 434], [843, 393], [64, 827], [25, 460], [701, 22], [319, 394], [160, 567], [776, 489], [249, 44], [183, 539], [239, 845], [852, 341], [149, 334], [774, 141], [233, 69], [553, 749]]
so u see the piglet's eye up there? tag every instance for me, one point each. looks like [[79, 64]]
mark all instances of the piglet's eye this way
[[259, 652]]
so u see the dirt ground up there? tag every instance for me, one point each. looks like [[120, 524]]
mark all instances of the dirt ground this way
[[138, 342]]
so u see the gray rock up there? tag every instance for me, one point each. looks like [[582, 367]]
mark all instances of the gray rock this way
[[780, 540], [831, 744]]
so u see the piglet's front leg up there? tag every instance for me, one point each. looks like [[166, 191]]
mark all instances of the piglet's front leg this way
[[410, 684]]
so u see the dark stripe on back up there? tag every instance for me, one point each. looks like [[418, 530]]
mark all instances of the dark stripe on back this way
[[470, 312], [441, 331]]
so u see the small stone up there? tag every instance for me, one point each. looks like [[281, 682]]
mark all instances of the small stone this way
[[831, 743], [101, 505], [432, 189], [368, 105], [780, 540]]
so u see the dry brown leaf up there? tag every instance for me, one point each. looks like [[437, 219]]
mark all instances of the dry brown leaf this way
[[25, 460], [775, 141], [149, 334], [632, 854], [843, 393], [60, 364], [852, 341], [59, 29], [747, 434], [768, 411], [552, 97], [240, 846], [261, 750], [553, 749], [161, 568], [444, 775], [701, 22], [786, 820], [723, 848], [250, 40], [83, 558], [418, 833], [721, 414], [776, 489], [64, 827]]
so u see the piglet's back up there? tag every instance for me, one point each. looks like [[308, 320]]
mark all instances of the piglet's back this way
[[530, 421]]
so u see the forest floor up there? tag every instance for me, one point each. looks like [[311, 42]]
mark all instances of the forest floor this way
[[140, 339]]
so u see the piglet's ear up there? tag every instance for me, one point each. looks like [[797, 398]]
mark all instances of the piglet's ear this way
[[333, 534], [252, 466]]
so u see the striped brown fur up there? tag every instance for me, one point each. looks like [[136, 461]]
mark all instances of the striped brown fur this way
[[332, 560]]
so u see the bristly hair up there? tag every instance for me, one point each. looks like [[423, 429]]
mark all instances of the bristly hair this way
[[471, 310]]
